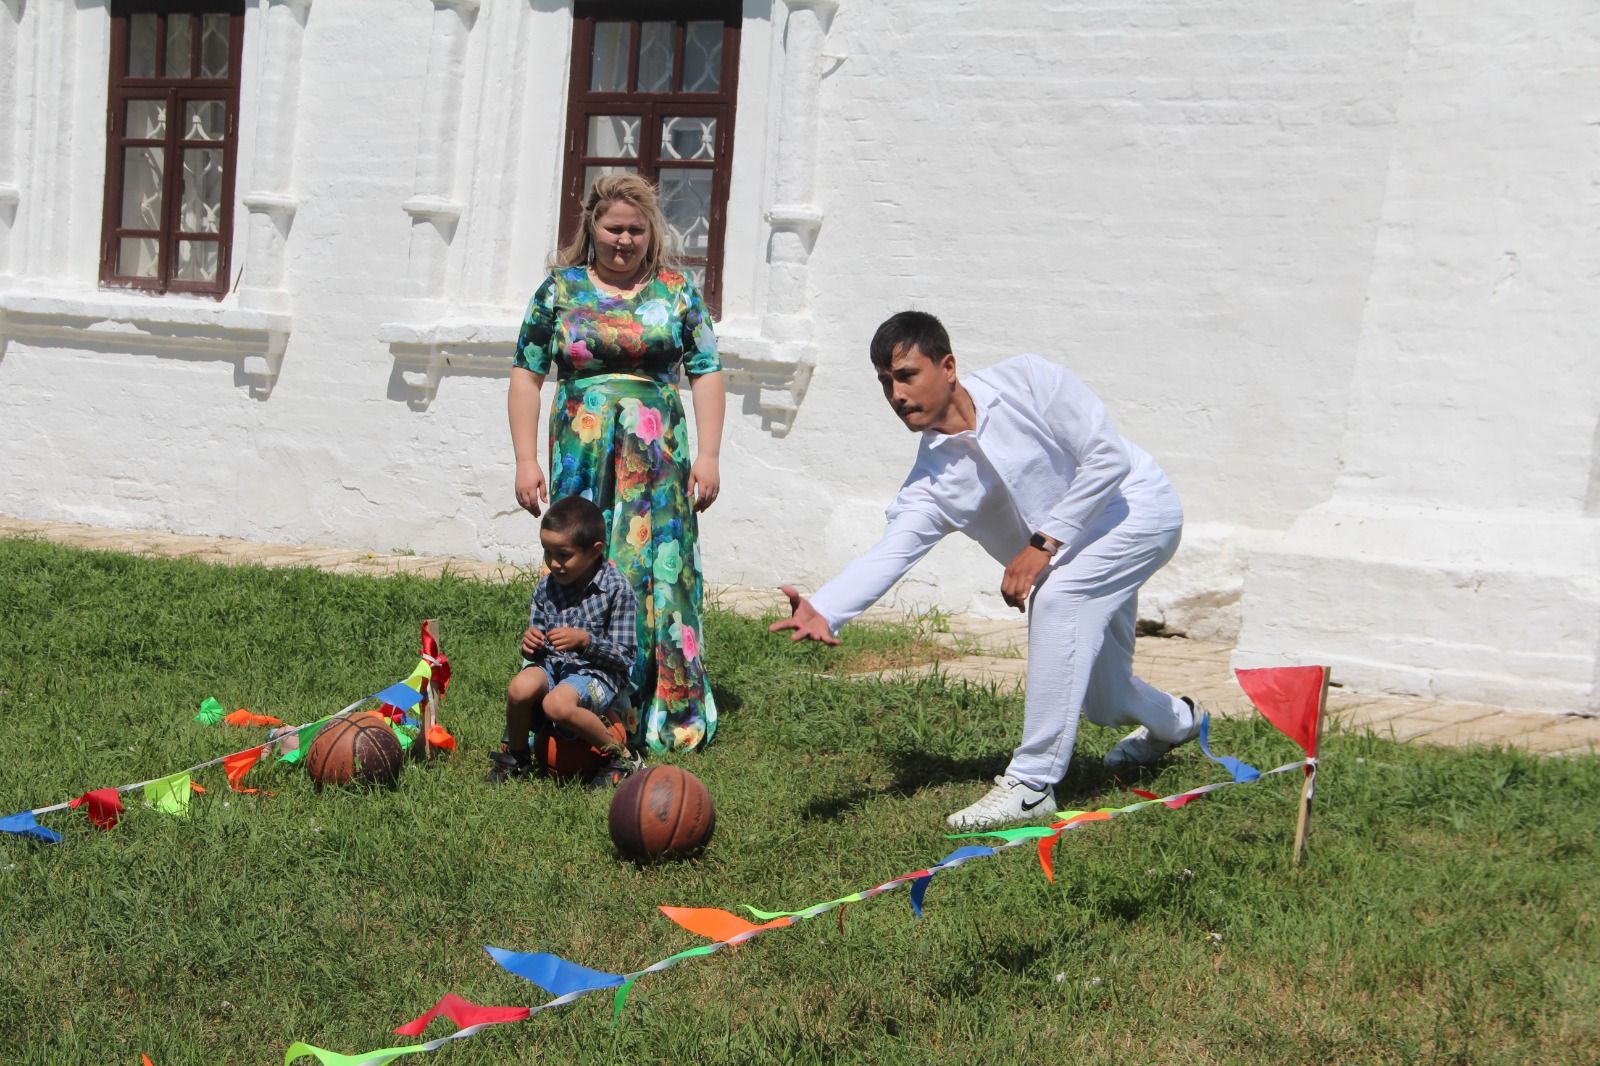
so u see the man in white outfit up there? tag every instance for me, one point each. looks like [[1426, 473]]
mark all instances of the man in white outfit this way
[[1022, 458]]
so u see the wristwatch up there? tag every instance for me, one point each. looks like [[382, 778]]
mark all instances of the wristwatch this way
[[1043, 543]]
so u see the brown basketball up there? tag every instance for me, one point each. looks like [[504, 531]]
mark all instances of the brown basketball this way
[[661, 813], [358, 747], [564, 757]]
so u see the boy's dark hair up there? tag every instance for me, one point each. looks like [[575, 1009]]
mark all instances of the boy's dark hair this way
[[905, 329], [576, 519]]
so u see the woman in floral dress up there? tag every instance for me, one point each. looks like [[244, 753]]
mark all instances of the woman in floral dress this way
[[622, 325]]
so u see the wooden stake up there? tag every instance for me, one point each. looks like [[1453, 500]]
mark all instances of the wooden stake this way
[[430, 705], [1307, 790]]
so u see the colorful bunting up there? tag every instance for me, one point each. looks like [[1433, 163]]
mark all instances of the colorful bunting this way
[[105, 807], [716, 924], [238, 764], [23, 824], [400, 695], [439, 737], [919, 886], [441, 665], [170, 794], [211, 711], [1289, 697], [246, 719], [464, 1013], [1175, 802], [332, 1058], [1242, 772], [552, 973]]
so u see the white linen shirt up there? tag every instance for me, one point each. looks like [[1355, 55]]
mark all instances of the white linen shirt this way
[[1044, 458]]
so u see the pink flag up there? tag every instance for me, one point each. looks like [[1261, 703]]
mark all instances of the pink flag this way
[[1289, 697], [105, 807]]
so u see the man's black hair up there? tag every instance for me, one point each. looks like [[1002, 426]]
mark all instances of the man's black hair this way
[[576, 519], [905, 329]]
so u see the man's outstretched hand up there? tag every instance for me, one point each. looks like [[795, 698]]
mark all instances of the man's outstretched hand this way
[[803, 619]]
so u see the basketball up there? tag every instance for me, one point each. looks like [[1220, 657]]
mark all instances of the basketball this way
[[355, 747], [661, 813], [564, 757]]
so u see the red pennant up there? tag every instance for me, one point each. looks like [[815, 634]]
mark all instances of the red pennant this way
[[240, 763], [463, 1013], [1288, 697], [105, 807], [1175, 802], [436, 659]]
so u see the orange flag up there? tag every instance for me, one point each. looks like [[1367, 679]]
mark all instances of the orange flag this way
[[715, 924], [238, 764], [246, 718]]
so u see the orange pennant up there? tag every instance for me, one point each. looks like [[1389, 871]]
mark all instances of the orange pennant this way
[[716, 924], [245, 718], [238, 764], [439, 737]]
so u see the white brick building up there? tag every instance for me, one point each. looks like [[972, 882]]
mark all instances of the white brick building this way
[[1334, 264]]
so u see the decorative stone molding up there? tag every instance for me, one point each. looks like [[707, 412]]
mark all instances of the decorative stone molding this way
[[423, 355], [137, 324], [773, 368], [10, 194], [271, 202]]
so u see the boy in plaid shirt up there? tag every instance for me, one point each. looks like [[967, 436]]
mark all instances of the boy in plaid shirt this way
[[578, 650]]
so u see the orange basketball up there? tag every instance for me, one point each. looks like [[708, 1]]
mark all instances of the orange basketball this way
[[358, 747], [563, 757], [661, 813]]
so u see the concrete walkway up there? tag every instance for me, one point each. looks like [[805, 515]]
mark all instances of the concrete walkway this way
[[983, 651]]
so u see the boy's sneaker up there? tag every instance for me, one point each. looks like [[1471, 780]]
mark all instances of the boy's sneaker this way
[[1139, 748], [503, 766], [1008, 801], [615, 770]]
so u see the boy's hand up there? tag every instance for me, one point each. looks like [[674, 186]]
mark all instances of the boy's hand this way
[[569, 638], [533, 642], [804, 620]]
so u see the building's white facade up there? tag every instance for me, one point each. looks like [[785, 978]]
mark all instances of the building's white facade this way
[[1334, 264]]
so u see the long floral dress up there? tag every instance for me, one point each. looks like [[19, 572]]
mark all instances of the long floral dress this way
[[618, 438]]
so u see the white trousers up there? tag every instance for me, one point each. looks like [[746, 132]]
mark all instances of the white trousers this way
[[1080, 640]]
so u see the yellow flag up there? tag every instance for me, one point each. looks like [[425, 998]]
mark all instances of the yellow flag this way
[[170, 794]]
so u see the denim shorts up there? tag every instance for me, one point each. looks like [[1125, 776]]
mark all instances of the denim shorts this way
[[595, 693]]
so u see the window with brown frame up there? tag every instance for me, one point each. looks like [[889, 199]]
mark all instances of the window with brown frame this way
[[171, 145], [652, 93]]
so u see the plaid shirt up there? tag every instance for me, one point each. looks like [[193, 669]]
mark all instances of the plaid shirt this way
[[605, 608]]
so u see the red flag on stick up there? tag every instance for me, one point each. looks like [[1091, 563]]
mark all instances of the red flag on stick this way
[[1290, 697]]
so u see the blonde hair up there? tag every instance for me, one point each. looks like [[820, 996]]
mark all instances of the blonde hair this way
[[611, 189]]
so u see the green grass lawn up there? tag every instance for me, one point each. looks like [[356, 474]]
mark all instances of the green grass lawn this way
[[1446, 913]]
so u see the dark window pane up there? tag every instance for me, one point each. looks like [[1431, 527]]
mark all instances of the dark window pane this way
[[142, 46], [147, 120], [655, 57], [214, 46], [702, 58], [613, 136], [197, 260], [137, 257], [683, 137], [204, 120], [179, 45], [609, 73], [141, 188]]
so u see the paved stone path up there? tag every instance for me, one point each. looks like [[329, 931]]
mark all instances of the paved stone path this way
[[983, 651]]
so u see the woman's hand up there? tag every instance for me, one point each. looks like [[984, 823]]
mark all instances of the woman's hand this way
[[705, 481], [531, 488]]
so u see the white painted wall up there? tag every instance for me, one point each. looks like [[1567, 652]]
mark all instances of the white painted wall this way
[[1319, 259]]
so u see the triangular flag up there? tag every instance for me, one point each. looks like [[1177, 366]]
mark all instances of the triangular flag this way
[[170, 793], [238, 764], [105, 807], [464, 1013], [23, 824], [303, 738], [1288, 697], [919, 887], [1242, 771], [400, 695], [552, 973], [242, 717], [420, 676], [439, 737], [1174, 802], [211, 711], [299, 1049], [1020, 832], [716, 924]]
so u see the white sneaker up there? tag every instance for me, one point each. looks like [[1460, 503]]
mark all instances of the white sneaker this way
[[1008, 801], [1139, 748]]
